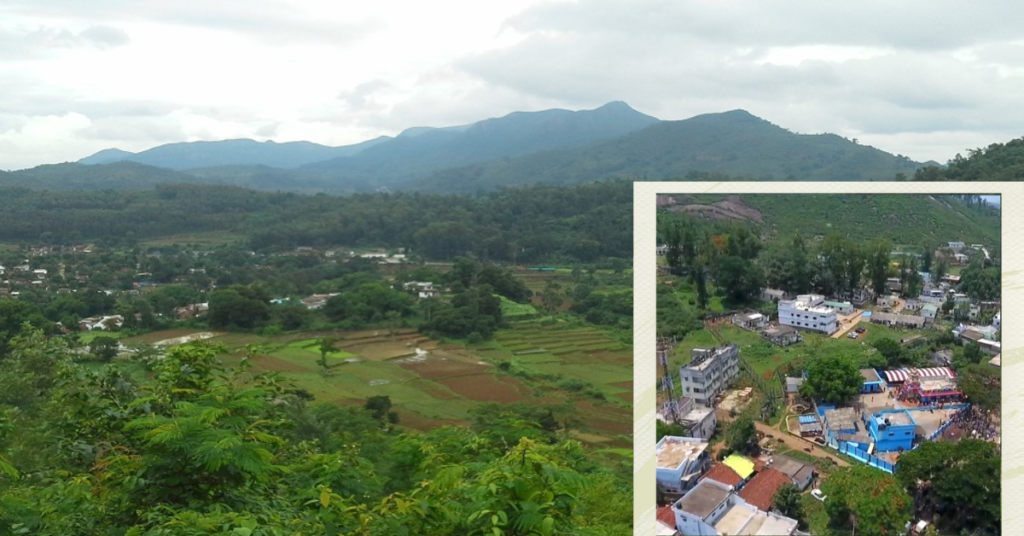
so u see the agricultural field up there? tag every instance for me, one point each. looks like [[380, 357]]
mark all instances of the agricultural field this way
[[434, 383]]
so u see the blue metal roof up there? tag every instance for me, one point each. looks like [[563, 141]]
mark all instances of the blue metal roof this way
[[808, 419]]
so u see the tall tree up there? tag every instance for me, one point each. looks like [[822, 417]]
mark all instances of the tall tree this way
[[833, 377], [866, 500], [879, 252]]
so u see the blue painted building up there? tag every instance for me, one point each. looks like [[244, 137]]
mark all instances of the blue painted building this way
[[892, 430], [872, 381]]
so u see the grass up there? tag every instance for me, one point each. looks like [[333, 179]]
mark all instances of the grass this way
[[87, 336], [511, 309], [313, 346]]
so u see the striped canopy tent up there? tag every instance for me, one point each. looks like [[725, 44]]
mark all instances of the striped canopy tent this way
[[902, 375]]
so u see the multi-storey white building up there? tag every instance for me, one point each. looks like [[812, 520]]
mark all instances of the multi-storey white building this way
[[711, 508], [709, 373], [681, 463], [808, 311]]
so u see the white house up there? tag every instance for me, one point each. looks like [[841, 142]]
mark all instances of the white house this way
[[808, 311], [712, 508], [754, 321], [681, 462], [700, 422], [956, 246], [929, 311], [662, 250], [709, 373]]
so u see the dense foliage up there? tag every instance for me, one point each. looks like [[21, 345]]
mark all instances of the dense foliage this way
[[866, 500], [997, 162], [959, 481], [193, 448], [587, 223], [832, 378]]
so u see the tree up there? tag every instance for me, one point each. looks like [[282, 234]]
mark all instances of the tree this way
[[832, 378], [958, 481], [878, 254], [104, 348], [325, 346], [741, 434], [891, 350], [787, 502], [867, 500], [380, 407], [981, 386], [742, 279]]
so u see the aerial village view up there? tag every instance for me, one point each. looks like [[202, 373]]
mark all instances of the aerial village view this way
[[829, 364]]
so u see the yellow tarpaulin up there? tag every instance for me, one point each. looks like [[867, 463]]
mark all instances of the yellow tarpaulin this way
[[741, 465]]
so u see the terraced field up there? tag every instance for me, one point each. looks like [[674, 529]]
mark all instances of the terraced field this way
[[433, 384]]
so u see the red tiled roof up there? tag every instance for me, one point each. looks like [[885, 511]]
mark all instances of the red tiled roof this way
[[762, 488], [724, 474], [667, 516]]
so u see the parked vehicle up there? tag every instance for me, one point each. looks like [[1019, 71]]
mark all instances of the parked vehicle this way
[[817, 494]]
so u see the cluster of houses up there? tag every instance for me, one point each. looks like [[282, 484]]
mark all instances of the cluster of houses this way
[[733, 496]]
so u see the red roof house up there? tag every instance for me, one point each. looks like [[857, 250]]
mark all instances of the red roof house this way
[[724, 474], [762, 488]]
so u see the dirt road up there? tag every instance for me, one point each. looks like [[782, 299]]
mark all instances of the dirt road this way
[[797, 443]]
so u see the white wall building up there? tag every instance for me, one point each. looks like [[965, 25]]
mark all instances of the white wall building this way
[[956, 246], [808, 311], [711, 508], [709, 373], [681, 463], [700, 422]]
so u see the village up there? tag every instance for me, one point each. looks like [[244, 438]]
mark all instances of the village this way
[[754, 429]]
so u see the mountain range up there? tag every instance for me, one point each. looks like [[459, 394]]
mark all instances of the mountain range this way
[[557, 146]]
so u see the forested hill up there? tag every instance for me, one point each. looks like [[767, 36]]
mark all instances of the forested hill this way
[[553, 147], [903, 219], [230, 152], [586, 223], [997, 162], [733, 143]]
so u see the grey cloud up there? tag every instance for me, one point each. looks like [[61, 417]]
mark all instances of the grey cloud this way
[[271, 21], [105, 36], [38, 42], [919, 24], [137, 129]]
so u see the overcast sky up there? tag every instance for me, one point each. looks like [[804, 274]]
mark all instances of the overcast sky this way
[[922, 78]]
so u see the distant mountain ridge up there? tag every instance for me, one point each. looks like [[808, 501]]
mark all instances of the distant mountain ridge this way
[[556, 146], [734, 143], [200, 154]]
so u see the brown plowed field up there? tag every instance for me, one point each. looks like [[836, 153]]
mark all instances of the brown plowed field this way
[[483, 388], [435, 368]]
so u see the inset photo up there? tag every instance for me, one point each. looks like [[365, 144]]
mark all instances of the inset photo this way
[[828, 364]]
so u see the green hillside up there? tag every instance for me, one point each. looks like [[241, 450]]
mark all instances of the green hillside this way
[[733, 143], [997, 162], [903, 219]]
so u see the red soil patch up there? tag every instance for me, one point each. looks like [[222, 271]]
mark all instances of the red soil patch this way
[[628, 397], [433, 369], [483, 388], [268, 363], [777, 358], [768, 375], [416, 421], [610, 426]]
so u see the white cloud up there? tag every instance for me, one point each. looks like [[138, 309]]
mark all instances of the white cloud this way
[[921, 78]]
